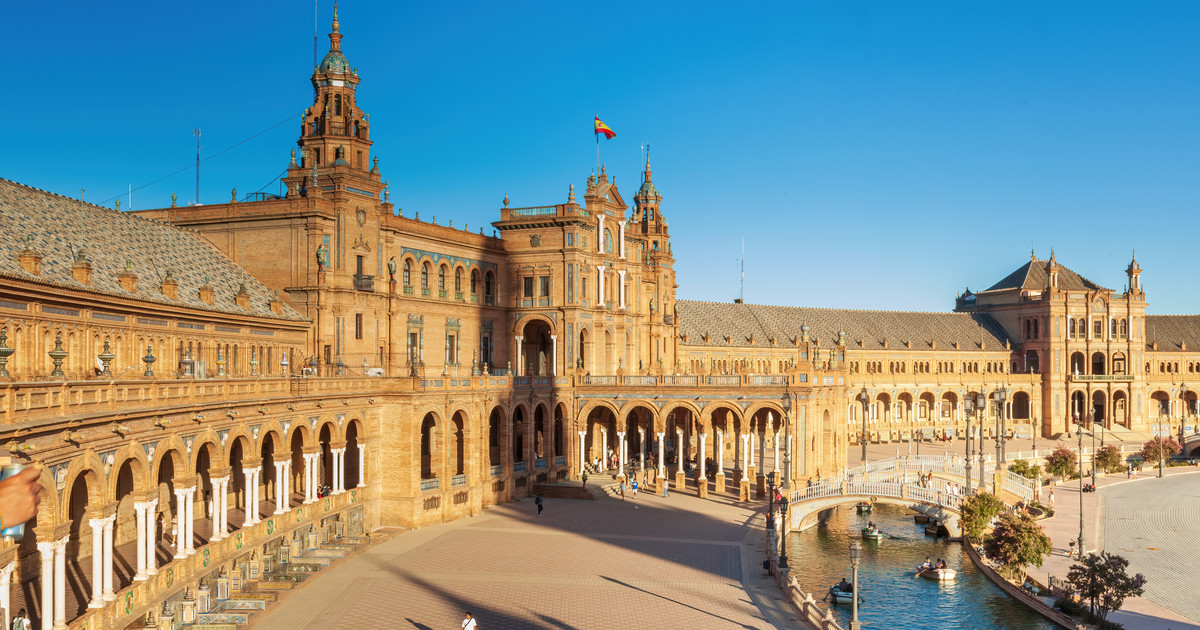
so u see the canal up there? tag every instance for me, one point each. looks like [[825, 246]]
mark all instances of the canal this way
[[894, 597]]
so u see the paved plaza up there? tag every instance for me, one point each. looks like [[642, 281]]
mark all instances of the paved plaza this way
[[678, 562]]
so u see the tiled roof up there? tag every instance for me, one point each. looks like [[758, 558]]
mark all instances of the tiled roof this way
[[740, 321], [1172, 330], [1035, 276], [61, 227]]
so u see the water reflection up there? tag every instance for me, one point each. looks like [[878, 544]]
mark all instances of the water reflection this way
[[894, 596]]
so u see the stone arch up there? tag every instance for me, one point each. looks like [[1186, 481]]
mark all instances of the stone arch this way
[[1099, 409], [1099, 363], [539, 430], [135, 456], [457, 443], [558, 441], [497, 420], [89, 466], [1021, 406], [537, 347], [430, 454]]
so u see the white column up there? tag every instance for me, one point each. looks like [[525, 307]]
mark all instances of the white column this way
[[190, 521], [151, 538], [621, 289], [180, 515], [341, 470], [719, 445], [600, 285], [310, 477], [255, 481], [362, 465], [97, 562], [553, 355], [621, 239], [247, 501], [621, 452], [582, 445], [702, 455], [60, 584], [109, 595], [280, 498], [600, 234], [744, 460], [662, 465], [5, 587], [46, 549], [775, 441], [679, 450], [520, 361], [139, 510], [223, 525], [217, 492]]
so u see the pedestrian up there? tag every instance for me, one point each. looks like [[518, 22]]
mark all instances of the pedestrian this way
[[1051, 499], [584, 477], [634, 486], [666, 484], [622, 489], [1128, 470], [469, 622], [538, 502], [21, 621]]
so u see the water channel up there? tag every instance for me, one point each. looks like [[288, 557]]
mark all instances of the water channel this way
[[894, 597]]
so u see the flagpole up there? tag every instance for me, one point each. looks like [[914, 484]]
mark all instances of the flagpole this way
[[597, 154]]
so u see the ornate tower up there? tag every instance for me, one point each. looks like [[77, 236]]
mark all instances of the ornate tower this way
[[659, 272], [333, 131], [1134, 271]]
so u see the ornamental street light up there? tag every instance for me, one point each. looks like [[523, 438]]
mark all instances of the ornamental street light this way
[[1000, 395], [968, 408], [771, 500], [1079, 431], [1184, 412], [783, 507], [1093, 423], [980, 406], [864, 398], [855, 554], [786, 403]]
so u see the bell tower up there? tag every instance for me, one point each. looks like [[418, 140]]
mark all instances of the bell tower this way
[[1134, 271], [334, 131]]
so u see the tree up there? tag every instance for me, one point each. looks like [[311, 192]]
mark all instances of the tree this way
[[1025, 469], [1017, 541], [1061, 462], [978, 510], [1168, 446], [1109, 459], [1101, 580]]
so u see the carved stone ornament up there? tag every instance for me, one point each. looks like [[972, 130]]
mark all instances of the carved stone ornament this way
[[535, 240]]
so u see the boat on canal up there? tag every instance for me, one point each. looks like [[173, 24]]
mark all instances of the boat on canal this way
[[841, 597], [931, 573], [864, 507], [869, 533]]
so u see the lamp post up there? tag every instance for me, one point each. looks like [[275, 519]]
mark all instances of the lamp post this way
[[783, 506], [855, 554], [980, 405], [968, 408], [771, 500], [1079, 431], [786, 404], [864, 398], [1000, 395], [1093, 423], [1184, 412]]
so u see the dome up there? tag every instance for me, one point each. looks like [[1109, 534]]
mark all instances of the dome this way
[[334, 62], [648, 189]]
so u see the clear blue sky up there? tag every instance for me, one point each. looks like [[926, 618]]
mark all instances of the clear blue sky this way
[[879, 155]]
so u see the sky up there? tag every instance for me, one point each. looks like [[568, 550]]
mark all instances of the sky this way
[[870, 155]]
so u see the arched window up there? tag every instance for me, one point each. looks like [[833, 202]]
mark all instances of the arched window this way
[[474, 281], [489, 288], [441, 278], [407, 273], [458, 280], [1112, 328], [425, 276], [337, 105], [1124, 328]]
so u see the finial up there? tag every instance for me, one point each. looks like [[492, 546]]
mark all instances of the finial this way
[[604, 169], [118, 204], [128, 264], [293, 157], [387, 190], [571, 194], [335, 16], [233, 195], [174, 200], [505, 200]]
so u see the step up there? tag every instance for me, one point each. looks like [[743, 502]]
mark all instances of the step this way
[[310, 559], [270, 597], [326, 552], [243, 604], [224, 617], [276, 584]]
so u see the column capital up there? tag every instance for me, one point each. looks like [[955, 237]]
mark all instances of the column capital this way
[[97, 523], [141, 506], [46, 547], [60, 545], [554, 337], [6, 572], [216, 481], [582, 433]]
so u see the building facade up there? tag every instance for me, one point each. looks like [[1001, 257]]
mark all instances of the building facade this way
[[201, 383]]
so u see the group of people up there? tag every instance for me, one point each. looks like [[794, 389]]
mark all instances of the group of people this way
[[843, 586], [927, 565], [871, 528]]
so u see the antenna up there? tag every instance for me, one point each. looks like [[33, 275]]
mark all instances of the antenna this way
[[197, 132], [130, 198], [742, 274]]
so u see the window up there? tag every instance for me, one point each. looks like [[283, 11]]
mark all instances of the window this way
[[1124, 328], [1098, 328], [451, 349], [544, 286], [1112, 328], [488, 290], [458, 280], [527, 287], [359, 156], [317, 156], [474, 281], [425, 276], [337, 105], [441, 278], [583, 288], [1071, 328], [358, 326], [407, 273]]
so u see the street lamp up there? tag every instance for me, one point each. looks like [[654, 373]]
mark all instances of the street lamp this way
[[1079, 431], [1000, 395], [786, 403], [771, 500], [980, 405], [783, 506], [855, 553], [1183, 413], [864, 398], [968, 407], [1093, 423]]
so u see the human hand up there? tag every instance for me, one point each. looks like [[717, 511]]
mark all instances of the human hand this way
[[19, 497]]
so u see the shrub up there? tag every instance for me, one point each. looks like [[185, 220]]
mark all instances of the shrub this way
[[1109, 459], [1061, 462], [978, 510], [1168, 446], [1017, 541], [1025, 469], [1101, 580]]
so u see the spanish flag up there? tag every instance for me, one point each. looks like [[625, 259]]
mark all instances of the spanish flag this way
[[603, 128]]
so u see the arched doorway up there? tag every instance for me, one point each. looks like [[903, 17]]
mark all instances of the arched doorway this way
[[1120, 409], [1099, 409], [1099, 363], [428, 446], [537, 348]]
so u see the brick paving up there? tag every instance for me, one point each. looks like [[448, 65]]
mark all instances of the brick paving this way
[[650, 562]]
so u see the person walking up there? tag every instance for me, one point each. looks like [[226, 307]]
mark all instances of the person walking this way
[[622, 486], [538, 502], [1052, 499], [634, 486], [666, 487], [469, 622], [21, 621]]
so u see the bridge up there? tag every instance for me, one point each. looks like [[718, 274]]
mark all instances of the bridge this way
[[933, 485]]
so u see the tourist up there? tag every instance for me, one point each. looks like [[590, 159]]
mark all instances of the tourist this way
[[538, 502], [468, 623], [622, 489], [666, 484], [1052, 499], [21, 621], [634, 487], [928, 563], [1128, 470]]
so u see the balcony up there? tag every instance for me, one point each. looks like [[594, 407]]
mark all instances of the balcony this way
[[364, 283], [1100, 377]]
